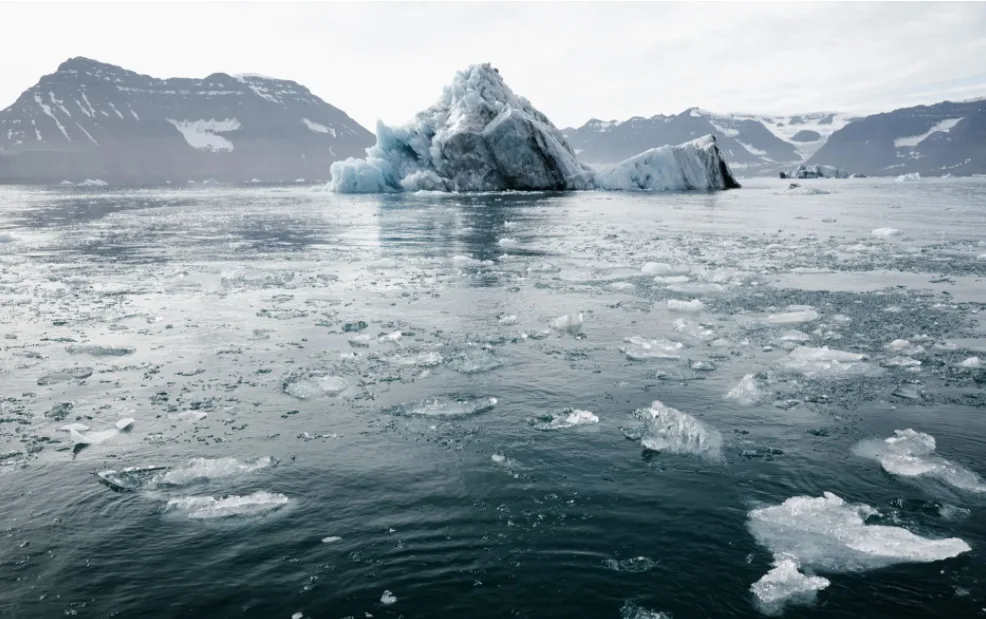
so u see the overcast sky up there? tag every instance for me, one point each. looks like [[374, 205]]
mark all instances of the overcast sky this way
[[574, 61]]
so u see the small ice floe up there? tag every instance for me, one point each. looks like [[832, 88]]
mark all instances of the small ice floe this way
[[747, 392], [912, 454], [124, 424], [507, 242], [693, 306], [662, 268], [129, 479], [567, 418], [191, 416], [60, 376], [886, 232], [209, 507], [507, 319], [306, 388], [360, 341], [668, 280], [569, 323], [6, 237], [621, 286], [641, 349], [905, 347], [910, 177], [331, 539], [785, 584], [79, 435], [475, 361], [693, 329], [901, 362], [205, 469], [669, 430], [424, 359], [971, 362], [450, 406], [634, 565], [98, 351], [299, 614], [795, 336], [793, 317], [388, 598], [826, 363], [78, 427], [391, 338]]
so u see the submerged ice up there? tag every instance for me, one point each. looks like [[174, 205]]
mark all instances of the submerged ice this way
[[480, 136], [912, 454], [669, 430]]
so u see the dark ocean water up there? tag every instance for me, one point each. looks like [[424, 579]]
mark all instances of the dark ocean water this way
[[251, 336]]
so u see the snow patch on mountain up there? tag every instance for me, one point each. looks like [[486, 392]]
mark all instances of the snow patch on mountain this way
[[317, 128], [204, 134], [942, 127]]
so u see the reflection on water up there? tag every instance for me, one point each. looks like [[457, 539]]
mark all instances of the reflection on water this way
[[337, 396]]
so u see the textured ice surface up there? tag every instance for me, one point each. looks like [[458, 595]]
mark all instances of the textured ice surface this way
[[480, 136], [792, 317], [694, 305], [641, 349], [315, 386], [671, 431], [567, 418], [208, 507], [912, 454], [124, 424], [693, 329], [905, 347], [388, 598], [886, 232], [746, 392], [445, 406], [785, 584], [971, 362], [827, 534], [331, 539], [203, 469], [98, 351], [569, 323], [826, 363]]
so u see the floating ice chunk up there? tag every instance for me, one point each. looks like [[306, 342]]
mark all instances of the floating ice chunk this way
[[693, 329], [794, 336], [208, 507], [901, 362], [785, 584], [885, 232], [298, 615], [425, 359], [662, 268], [390, 337], [130, 478], [632, 611], [98, 351], [204, 469], [971, 362], [692, 165], [697, 288], [827, 534], [360, 341], [124, 424], [569, 323], [6, 237], [78, 427], [826, 363], [507, 320], [746, 392], [908, 178], [475, 361], [499, 458], [912, 454], [60, 376], [671, 431], [693, 306], [388, 598], [331, 539], [445, 406], [93, 182], [671, 279], [620, 286], [92, 438], [508, 242], [905, 347], [315, 386], [567, 418], [463, 261], [640, 349], [190, 416], [793, 317], [634, 565]]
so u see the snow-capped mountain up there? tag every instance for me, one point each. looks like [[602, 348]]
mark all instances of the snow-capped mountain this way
[[94, 120], [752, 144], [931, 140]]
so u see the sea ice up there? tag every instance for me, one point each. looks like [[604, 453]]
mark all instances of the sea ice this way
[[905, 347], [885, 232], [92, 438], [793, 317], [60, 376], [124, 424], [826, 363], [569, 323], [908, 178], [693, 306], [388, 598], [785, 584], [746, 392], [671, 431], [445, 406], [190, 416], [662, 268], [693, 329], [567, 418], [204, 469], [971, 362], [480, 136], [331, 539], [208, 507], [315, 386], [912, 454], [641, 349]]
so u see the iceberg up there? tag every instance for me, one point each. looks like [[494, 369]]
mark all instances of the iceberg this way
[[480, 136]]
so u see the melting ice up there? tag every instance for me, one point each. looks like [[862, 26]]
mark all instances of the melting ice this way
[[912, 454], [671, 431]]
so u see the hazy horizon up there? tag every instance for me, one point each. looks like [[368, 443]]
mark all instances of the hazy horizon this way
[[574, 61]]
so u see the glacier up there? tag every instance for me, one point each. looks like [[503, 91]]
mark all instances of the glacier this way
[[480, 136]]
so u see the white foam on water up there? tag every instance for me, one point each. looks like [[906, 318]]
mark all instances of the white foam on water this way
[[827, 534], [912, 454], [746, 392], [785, 584], [633, 565], [204, 469], [641, 349], [669, 430], [693, 306], [632, 611], [209, 507], [567, 418], [388, 598], [793, 317]]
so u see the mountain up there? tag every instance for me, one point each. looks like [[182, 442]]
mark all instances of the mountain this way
[[931, 140], [754, 144], [91, 120]]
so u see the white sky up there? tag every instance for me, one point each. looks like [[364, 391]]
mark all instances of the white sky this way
[[574, 61]]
